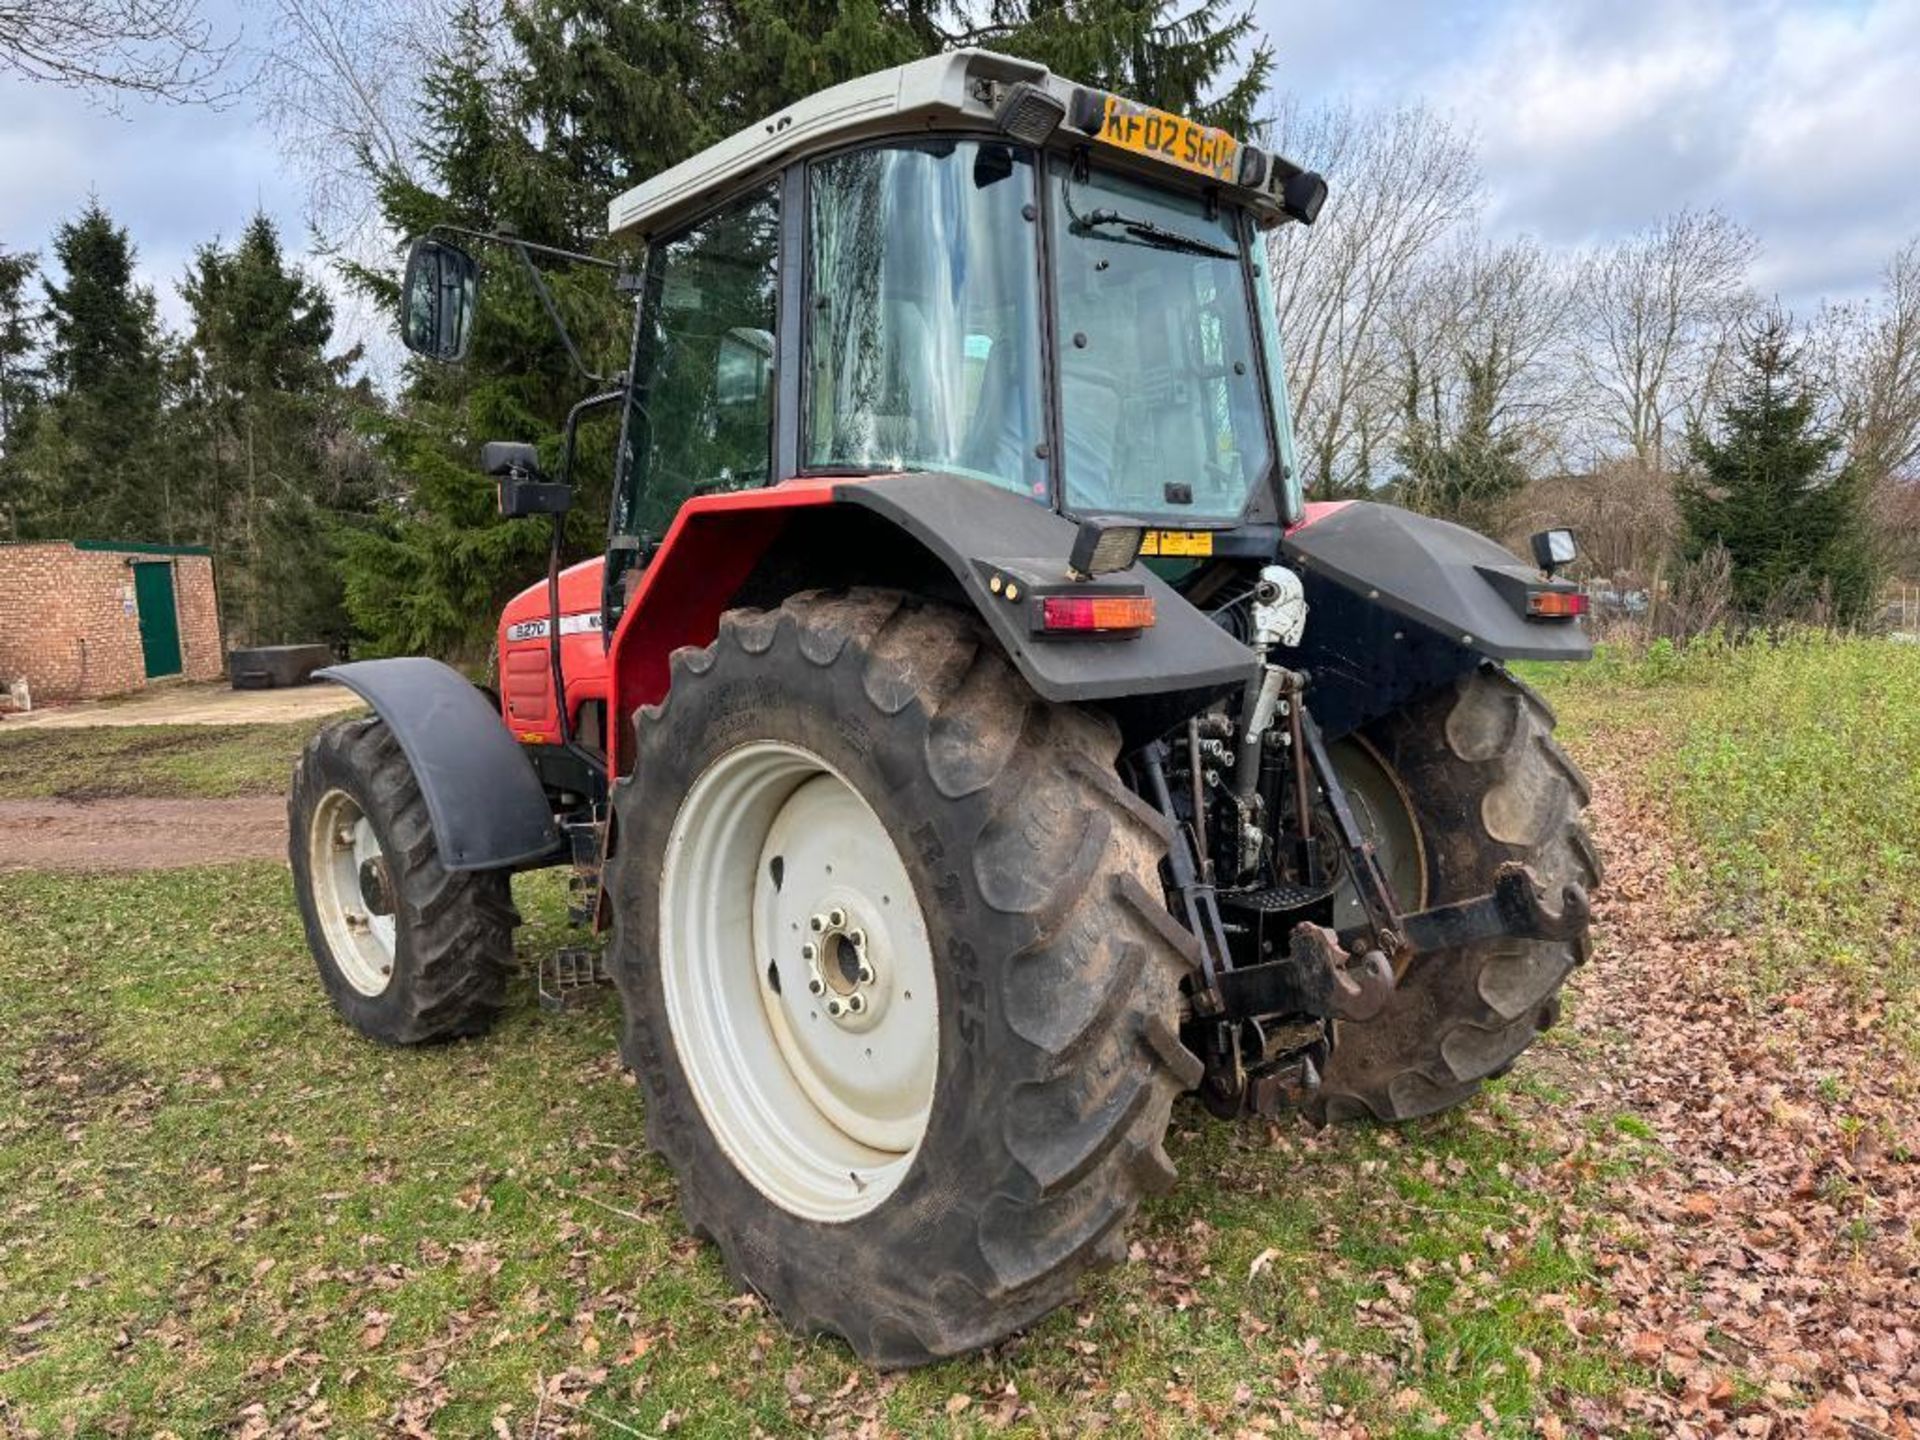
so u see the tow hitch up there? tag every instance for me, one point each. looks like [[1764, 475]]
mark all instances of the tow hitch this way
[[1344, 977], [1263, 1027], [1329, 976]]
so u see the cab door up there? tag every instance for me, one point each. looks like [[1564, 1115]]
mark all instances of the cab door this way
[[700, 410]]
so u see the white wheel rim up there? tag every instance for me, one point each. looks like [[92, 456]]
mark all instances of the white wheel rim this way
[[799, 980], [352, 892]]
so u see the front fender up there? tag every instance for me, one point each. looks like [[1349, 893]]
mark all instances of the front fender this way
[[487, 806]]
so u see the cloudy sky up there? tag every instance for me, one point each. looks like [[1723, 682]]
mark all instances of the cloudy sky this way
[[1799, 117]]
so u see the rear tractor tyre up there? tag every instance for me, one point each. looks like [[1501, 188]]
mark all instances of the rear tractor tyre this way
[[1482, 781], [899, 982], [408, 950]]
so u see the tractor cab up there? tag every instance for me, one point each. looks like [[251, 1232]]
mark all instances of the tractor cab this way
[[969, 267], [964, 267]]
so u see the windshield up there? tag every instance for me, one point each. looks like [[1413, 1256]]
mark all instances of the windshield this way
[[1161, 395], [923, 341]]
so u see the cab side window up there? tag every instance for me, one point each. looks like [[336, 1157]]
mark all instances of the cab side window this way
[[701, 407]]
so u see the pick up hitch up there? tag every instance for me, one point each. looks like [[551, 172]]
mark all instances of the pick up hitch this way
[[1317, 977], [1343, 977], [1516, 906]]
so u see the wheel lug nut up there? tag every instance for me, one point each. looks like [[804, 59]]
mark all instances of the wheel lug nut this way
[[816, 923], [857, 1003], [835, 1008], [859, 939], [816, 986], [809, 951], [836, 918], [866, 975]]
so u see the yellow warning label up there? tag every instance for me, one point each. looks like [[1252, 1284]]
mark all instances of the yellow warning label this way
[[1177, 542]]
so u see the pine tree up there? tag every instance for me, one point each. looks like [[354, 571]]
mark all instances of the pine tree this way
[[1179, 57], [93, 469], [1771, 488], [261, 413], [20, 380], [1460, 468]]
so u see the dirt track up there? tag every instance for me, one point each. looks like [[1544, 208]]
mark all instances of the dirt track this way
[[176, 704], [139, 834]]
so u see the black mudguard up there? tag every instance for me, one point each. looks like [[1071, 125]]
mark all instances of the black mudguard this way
[[978, 530], [1399, 603], [487, 806]]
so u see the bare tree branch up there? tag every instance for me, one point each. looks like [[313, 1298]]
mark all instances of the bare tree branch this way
[[341, 79], [157, 49], [1401, 181], [1658, 311], [1878, 379], [1504, 307]]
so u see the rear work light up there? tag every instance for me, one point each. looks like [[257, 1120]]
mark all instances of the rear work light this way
[[1088, 613], [1555, 604]]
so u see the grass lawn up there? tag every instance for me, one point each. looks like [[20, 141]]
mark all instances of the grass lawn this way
[[158, 761], [1795, 770]]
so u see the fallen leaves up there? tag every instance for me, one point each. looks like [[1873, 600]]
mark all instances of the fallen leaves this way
[[1762, 1264], [373, 1330]]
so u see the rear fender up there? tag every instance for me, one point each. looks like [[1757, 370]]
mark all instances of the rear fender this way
[[938, 534], [484, 800], [1399, 603]]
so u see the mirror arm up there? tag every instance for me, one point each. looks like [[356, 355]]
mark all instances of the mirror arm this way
[[553, 313], [507, 237], [592, 402]]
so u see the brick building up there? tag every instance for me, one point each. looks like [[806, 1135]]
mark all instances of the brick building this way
[[81, 619]]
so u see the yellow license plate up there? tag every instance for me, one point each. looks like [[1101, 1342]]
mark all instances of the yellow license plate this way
[[1186, 143], [1177, 542]]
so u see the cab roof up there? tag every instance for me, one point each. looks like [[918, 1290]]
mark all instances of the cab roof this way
[[960, 90]]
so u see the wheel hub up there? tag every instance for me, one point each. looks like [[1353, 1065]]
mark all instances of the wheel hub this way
[[840, 972], [376, 887]]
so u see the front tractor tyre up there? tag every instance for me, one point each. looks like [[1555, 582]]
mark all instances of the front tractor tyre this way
[[1451, 787], [900, 985], [408, 950]]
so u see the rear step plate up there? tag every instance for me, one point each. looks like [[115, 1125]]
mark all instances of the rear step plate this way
[[571, 976]]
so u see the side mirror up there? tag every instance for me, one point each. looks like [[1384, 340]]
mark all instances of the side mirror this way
[[437, 299], [519, 487], [1553, 549]]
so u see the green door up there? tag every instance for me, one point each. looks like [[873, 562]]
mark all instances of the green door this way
[[159, 621]]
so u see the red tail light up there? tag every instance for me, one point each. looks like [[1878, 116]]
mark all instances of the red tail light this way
[[1096, 612], [1555, 604]]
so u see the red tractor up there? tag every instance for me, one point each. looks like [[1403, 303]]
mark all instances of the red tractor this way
[[970, 737]]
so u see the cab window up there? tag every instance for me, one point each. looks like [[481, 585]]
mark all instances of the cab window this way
[[700, 415], [923, 315]]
